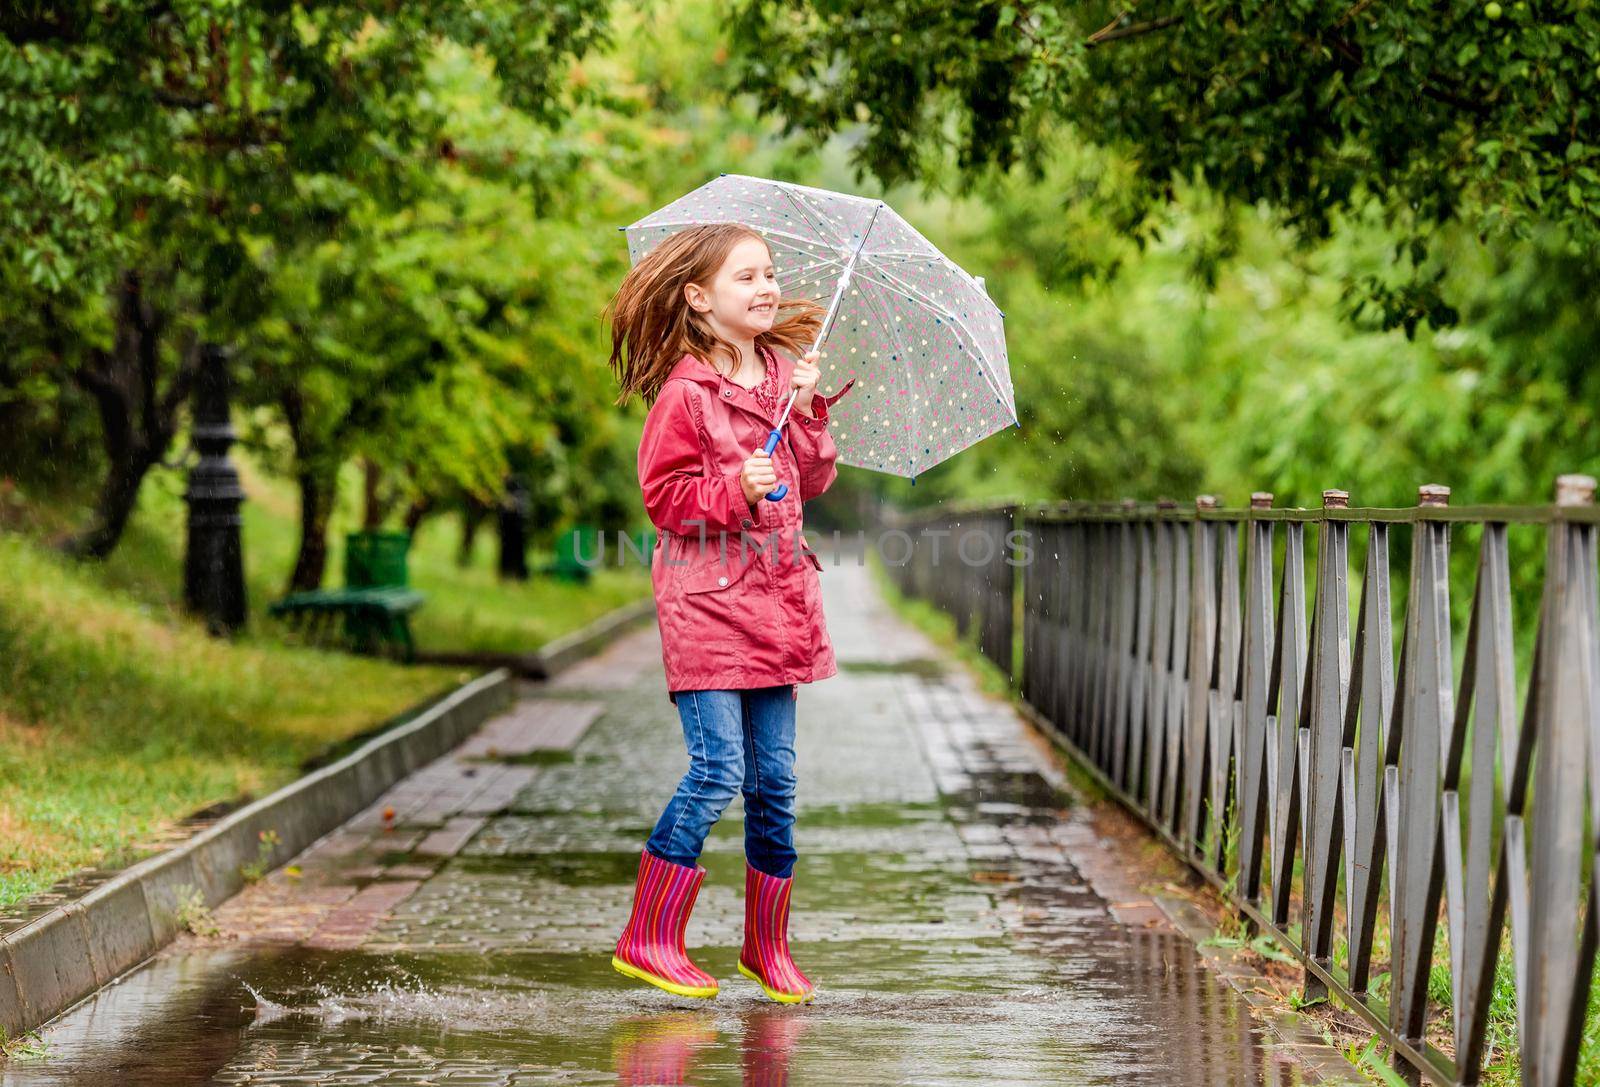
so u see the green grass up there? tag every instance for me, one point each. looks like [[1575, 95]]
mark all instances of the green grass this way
[[469, 609], [472, 609], [119, 716]]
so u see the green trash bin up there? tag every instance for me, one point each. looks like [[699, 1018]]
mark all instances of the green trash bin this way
[[566, 565], [376, 560]]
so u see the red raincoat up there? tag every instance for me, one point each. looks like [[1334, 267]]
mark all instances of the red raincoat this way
[[738, 595]]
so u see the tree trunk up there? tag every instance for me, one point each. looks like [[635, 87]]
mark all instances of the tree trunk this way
[[138, 418], [373, 507], [473, 514], [514, 531], [316, 503], [119, 494], [317, 492], [419, 509]]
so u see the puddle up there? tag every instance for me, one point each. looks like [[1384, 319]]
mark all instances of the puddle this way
[[970, 1011], [949, 943]]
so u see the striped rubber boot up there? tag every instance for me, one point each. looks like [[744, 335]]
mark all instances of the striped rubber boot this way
[[765, 957], [651, 947]]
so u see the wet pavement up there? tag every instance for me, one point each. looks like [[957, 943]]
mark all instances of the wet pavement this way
[[962, 920]]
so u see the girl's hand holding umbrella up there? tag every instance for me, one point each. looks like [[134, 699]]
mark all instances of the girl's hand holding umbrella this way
[[758, 477]]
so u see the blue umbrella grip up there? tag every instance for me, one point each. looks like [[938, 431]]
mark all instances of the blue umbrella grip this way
[[773, 438]]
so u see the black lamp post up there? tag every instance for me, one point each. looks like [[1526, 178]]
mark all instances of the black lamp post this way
[[213, 568]]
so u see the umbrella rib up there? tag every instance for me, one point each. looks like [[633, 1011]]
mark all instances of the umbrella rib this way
[[904, 256], [804, 214]]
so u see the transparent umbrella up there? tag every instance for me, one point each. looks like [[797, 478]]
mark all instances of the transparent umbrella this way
[[918, 333]]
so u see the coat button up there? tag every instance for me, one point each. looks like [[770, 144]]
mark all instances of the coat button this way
[[747, 523], [727, 392], [722, 581]]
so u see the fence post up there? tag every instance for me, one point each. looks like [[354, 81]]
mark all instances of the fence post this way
[[1425, 711], [1257, 769], [1561, 950], [1201, 638], [1323, 750]]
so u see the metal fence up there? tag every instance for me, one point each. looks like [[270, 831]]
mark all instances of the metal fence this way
[[962, 561], [1424, 846]]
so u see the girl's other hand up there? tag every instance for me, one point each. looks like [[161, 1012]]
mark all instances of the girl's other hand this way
[[758, 477], [806, 375]]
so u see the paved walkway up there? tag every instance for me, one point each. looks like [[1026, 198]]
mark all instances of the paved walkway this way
[[961, 919]]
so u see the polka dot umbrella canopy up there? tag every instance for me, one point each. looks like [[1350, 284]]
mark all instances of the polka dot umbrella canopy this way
[[923, 341]]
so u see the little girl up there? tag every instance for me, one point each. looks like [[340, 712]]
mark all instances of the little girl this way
[[738, 600]]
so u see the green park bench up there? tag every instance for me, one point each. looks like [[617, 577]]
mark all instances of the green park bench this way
[[376, 603]]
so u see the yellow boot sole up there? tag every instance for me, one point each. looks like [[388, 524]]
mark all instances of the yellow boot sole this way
[[781, 998], [629, 970]]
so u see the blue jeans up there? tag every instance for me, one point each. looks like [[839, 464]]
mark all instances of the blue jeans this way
[[739, 741]]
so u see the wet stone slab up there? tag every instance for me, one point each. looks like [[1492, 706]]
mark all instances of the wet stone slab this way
[[960, 917]]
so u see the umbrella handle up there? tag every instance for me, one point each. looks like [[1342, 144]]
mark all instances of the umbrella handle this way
[[773, 438]]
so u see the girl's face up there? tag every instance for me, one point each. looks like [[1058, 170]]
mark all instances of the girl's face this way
[[741, 300]]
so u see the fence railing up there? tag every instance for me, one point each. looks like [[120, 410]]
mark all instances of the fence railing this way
[[958, 562], [1419, 829]]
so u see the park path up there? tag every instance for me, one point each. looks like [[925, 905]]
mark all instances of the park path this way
[[963, 920]]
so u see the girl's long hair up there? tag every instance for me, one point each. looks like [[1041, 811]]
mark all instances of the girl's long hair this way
[[653, 325]]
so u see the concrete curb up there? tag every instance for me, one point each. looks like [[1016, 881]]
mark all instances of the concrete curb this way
[[564, 651], [64, 955]]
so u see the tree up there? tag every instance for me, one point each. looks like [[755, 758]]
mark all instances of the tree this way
[[1483, 113], [420, 338], [145, 154]]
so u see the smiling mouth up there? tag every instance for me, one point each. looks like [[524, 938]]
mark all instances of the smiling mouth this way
[[763, 308]]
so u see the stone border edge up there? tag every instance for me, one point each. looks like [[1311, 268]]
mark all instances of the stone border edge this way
[[62, 956], [561, 653]]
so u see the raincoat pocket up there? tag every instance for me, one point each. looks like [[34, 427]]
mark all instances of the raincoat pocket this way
[[714, 576]]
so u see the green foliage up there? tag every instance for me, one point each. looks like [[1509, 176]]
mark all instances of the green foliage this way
[[193, 913], [31, 1046], [404, 223], [1438, 113], [1169, 369], [128, 133], [266, 842], [276, 178]]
